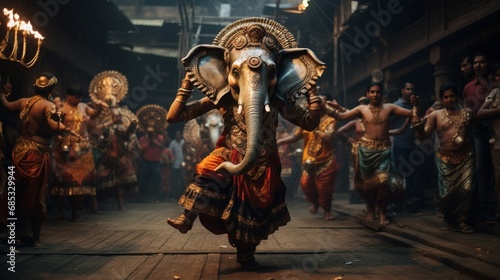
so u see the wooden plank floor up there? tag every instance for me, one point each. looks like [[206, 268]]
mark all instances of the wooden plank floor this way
[[356, 265], [142, 229], [138, 244]]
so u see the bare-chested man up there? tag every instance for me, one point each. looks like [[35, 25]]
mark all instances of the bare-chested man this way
[[455, 157], [375, 177], [74, 163], [31, 154]]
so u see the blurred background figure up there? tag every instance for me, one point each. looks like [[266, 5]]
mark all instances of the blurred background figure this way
[[200, 138], [153, 123], [289, 156], [402, 146], [491, 109], [319, 162], [74, 167], [176, 146], [115, 169], [167, 159]]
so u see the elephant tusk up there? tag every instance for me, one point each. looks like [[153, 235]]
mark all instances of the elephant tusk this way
[[266, 104], [240, 108]]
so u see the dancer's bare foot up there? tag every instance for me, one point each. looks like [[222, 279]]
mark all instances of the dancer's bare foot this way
[[328, 216], [182, 223], [384, 220], [370, 213], [37, 244], [369, 217], [313, 209]]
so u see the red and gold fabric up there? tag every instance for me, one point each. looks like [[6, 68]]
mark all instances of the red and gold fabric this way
[[74, 175], [318, 178], [247, 207], [32, 169], [115, 167]]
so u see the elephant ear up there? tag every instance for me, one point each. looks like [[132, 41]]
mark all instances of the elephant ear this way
[[206, 68], [298, 70]]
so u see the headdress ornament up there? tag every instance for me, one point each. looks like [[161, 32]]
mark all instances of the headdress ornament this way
[[43, 81], [253, 32]]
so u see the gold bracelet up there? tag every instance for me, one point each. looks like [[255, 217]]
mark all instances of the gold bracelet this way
[[186, 84], [314, 109], [192, 110], [329, 109], [184, 94], [180, 100], [185, 90], [314, 98]]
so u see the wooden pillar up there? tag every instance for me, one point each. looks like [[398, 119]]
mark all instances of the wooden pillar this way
[[443, 73], [392, 86]]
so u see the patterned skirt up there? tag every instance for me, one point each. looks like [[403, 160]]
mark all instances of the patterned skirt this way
[[247, 207]]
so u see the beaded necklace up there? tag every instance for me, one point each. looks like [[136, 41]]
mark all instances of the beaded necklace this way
[[375, 110], [458, 121]]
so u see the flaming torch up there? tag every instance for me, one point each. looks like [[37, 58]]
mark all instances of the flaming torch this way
[[19, 30]]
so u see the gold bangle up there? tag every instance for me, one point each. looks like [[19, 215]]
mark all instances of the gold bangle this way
[[185, 90], [180, 100], [313, 99], [184, 94], [314, 109], [329, 109]]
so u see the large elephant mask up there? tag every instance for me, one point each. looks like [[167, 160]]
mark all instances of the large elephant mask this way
[[253, 59]]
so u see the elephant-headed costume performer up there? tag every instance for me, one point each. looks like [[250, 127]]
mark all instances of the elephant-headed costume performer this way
[[114, 135], [252, 72], [153, 177], [200, 139]]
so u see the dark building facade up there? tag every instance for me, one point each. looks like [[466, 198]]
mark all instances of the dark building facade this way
[[396, 41]]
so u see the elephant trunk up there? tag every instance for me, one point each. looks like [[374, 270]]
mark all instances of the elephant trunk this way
[[253, 106]]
